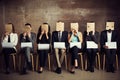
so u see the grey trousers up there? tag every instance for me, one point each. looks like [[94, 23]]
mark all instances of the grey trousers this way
[[27, 52]]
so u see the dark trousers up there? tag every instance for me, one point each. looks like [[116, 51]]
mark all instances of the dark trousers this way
[[7, 52], [91, 53], [110, 57], [74, 54], [42, 57]]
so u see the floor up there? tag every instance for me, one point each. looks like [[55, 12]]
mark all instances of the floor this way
[[49, 75]]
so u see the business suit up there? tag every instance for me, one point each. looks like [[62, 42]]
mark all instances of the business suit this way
[[64, 38], [110, 53], [43, 53], [12, 38], [91, 53], [27, 50]]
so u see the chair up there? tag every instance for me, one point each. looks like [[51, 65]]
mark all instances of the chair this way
[[37, 60], [97, 61], [13, 55], [104, 61], [81, 59], [32, 60]]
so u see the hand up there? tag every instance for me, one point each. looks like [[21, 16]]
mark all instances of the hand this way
[[75, 33], [91, 33], [106, 47], [42, 32], [46, 32], [28, 34], [7, 33], [24, 34]]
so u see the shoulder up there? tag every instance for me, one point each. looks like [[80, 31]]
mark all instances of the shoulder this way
[[79, 32], [14, 34], [104, 31], [96, 32], [33, 34], [54, 32]]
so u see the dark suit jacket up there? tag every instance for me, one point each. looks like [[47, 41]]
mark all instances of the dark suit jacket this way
[[64, 38], [103, 38], [90, 37], [43, 39], [32, 39]]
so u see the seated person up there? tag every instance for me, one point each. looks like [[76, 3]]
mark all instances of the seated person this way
[[91, 35], [109, 35], [9, 37], [74, 36], [43, 37], [27, 36], [60, 36]]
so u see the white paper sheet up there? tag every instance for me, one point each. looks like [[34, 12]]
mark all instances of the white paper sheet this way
[[59, 45], [78, 44], [43, 46], [26, 44], [7, 45], [111, 45], [91, 45]]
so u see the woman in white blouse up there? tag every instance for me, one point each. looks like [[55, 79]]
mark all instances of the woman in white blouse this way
[[9, 37]]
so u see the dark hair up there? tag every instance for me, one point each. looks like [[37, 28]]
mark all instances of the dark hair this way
[[39, 30], [13, 28], [59, 21], [28, 24]]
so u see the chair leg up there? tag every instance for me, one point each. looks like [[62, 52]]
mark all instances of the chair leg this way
[[81, 57], [98, 61], [104, 62], [86, 63], [37, 62], [116, 62], [32, 62], [20, 62], [14, 63], [66, 62], [49, 61]]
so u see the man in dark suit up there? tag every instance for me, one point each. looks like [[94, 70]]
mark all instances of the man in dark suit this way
[[27, 36], [109, 35], [91, 35], [59, 36]]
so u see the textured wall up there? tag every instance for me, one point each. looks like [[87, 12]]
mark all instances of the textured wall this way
[[38, 11]]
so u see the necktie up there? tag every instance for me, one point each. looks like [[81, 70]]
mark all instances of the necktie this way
[[59, 36], [8, 38]]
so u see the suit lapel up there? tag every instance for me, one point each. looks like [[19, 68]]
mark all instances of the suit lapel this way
[[106, 36]]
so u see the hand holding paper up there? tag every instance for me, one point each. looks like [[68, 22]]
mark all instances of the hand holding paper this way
[[91, 45], [111, 45], [43, 46], [59, 45], [78, 44], [26, 44]]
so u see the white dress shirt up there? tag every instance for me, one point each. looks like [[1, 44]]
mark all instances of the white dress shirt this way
[[109, 36], [13, 39]]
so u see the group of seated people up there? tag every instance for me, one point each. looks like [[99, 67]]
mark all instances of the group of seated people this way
[[60, 35]]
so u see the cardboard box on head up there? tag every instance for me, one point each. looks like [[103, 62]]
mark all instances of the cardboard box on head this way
[[8, 28], [110, 25], [74, 26], [90, 26], [60, 26], [44, 27]]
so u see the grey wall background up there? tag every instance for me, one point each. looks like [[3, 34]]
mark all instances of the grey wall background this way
[[36, 12]]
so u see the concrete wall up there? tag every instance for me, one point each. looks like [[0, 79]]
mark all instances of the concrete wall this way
[[36, 12]]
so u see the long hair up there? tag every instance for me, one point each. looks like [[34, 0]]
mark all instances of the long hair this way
[[13, 28], [40, 28]]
